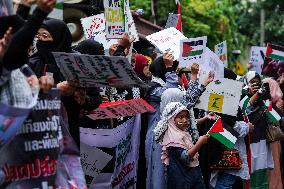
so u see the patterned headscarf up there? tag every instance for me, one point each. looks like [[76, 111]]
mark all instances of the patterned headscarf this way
[[169, 135]]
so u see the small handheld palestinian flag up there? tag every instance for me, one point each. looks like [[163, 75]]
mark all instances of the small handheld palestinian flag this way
[[222, 134], [244, 103], [271, 114]]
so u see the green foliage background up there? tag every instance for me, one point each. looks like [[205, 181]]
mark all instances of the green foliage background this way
[[236, 21]]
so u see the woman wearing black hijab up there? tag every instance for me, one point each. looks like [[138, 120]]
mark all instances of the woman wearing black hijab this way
[[90, 47], [53, 36]]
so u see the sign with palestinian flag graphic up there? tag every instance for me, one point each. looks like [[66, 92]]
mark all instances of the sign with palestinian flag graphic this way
[[192, 51], [274, 61], [223, 134]]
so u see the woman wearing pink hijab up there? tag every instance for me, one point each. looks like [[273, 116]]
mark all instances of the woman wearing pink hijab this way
[[275, 179]]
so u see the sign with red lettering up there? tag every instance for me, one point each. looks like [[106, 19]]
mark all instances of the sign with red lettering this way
[[122, 108], [37, 156]]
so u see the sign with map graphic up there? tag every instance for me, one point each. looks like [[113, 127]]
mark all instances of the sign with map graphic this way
[[192, 50], [221, 96]]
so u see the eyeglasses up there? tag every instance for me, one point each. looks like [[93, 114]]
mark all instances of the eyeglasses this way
[[44, 35]]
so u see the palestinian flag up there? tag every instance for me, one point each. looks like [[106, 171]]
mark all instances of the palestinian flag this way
[[224, 135], [271, 114], [275, 52], [192, 48], [244, 103]]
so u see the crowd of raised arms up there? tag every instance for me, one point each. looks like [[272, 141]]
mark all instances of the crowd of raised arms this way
[[47, 120]]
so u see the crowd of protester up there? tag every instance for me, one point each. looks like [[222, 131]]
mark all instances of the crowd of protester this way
[[176, 151]]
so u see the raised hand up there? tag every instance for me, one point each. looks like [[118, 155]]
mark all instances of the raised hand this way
[[168, 59], [46, 5]]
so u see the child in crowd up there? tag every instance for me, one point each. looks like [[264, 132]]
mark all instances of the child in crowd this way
[[179, 154]]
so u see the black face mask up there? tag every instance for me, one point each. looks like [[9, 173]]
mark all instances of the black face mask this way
[[45, 46]]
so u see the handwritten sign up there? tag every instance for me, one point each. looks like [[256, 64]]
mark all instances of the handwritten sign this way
[[130, 24], [222, 97], [257, 55], [94, 28], [192, 51], [172, 20], [115, 18], [121, 109], [167, 40], [93, 160], [125, 138], [221, 51], [211, 63], [97, 71]]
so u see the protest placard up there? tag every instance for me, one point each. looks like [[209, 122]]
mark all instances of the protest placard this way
[[37, 155], [167, 40], [273, 65], [125, 138], [221, 51], [93, 160], [130, 24], [172, 20], [257, 55], [222, 97], [94, 28], [192, 51], [211, 63], [115, 18], [97, 71], [122, 108]]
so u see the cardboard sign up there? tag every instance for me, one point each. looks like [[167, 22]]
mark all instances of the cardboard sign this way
[[167, 40], [274, 61], [115, 18], [172, 20], [93, 160], [122, 108], [94, 28], [192, 51], [125, 138], [97, 71], [211, 63], [130, 24], [221, 51], [257, 55], [222, 97]]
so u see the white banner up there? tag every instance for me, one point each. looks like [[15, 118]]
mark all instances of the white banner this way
[[167, 40], [221, 51], [97, 71], [222, 97], [257, 55], [211, 63], [192, 50], [125, 139]]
